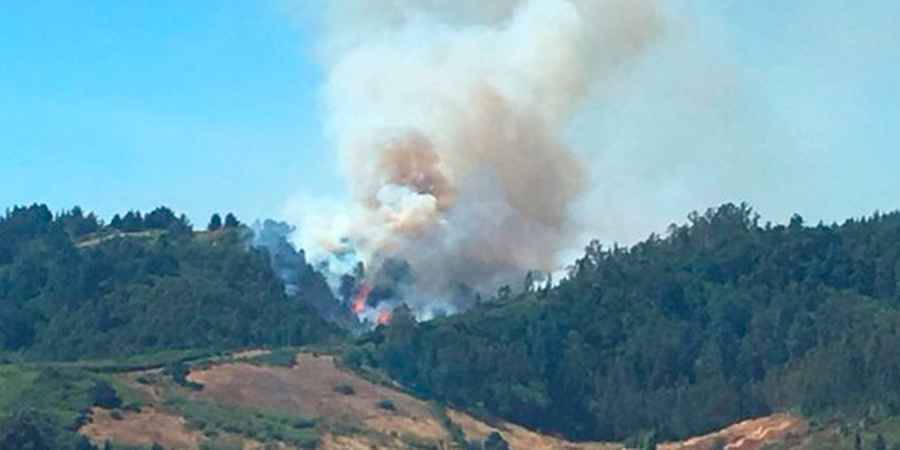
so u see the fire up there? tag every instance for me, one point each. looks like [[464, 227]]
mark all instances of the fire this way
[[384, 317], [359, 302]]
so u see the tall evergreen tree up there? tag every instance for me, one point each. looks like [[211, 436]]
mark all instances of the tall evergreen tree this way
[[231, 221], [215, 223], [495, 442]]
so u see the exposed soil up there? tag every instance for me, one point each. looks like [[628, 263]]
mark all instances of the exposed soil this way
[[252, 353], [751, 434], [308, 389], [344, 443], [141, 428], [97, 241]]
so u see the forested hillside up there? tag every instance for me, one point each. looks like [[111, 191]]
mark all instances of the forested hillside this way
[[72, 288], [721, 319]]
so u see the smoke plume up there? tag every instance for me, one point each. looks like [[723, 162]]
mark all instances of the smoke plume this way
[[450, 117]]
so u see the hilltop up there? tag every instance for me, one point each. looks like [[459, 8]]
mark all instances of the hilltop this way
[[721, 320], [73, 288], [724, 333]]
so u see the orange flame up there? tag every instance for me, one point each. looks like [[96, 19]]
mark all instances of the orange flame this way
[[359, 302], [384, 317]]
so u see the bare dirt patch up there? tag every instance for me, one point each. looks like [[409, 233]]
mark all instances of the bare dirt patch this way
[[117, 235], [751, 434], [252, 353], [334, 442], [141, 428], [308, 389]]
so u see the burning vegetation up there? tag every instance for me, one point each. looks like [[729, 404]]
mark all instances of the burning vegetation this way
[[450, 126]]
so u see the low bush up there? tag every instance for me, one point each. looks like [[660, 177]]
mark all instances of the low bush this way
[[258, 425], [387, 405], [345, 389]]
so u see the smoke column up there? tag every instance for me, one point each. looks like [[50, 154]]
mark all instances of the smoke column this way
[[449, 118]]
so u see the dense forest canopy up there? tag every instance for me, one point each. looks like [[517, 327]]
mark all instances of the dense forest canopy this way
[[71, 287], [721, 319]]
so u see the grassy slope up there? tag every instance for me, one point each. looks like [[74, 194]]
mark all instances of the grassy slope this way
[[63, 391], [259, 415], [14, 380]]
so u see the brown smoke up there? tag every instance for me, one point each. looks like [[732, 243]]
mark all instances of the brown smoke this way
[[541, 175], [412, 161], [450, 120]]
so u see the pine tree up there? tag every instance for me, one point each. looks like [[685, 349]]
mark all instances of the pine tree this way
[[495, 442], [215, 223], [231, 221]]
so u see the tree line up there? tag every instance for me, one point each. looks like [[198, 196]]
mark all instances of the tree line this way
[[721, 319], [69, 291]]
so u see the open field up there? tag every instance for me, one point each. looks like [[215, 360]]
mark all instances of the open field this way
[[244, 405], [258, 397]]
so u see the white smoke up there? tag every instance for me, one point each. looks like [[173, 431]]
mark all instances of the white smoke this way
[[449, 119]]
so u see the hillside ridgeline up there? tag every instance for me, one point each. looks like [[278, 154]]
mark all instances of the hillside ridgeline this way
[[73, 288], [720, 320]]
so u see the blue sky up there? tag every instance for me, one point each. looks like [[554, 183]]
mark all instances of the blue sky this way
[[830, 71], [214, 106], [204, 106]]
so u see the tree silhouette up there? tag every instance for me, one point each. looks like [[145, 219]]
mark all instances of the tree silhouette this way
[[215, 222], [231, 221], [495, 442]]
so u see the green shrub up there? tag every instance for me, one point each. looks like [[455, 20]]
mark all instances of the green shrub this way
[[419, 442], [105, 396], [258, 425], [345, 389], [277, 358], [453, 429], [496, 442], [386, 404], [179, 372]]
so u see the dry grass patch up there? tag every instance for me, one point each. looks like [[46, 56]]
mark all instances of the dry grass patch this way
[[751, 434], [141, 428], [308, 390]]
